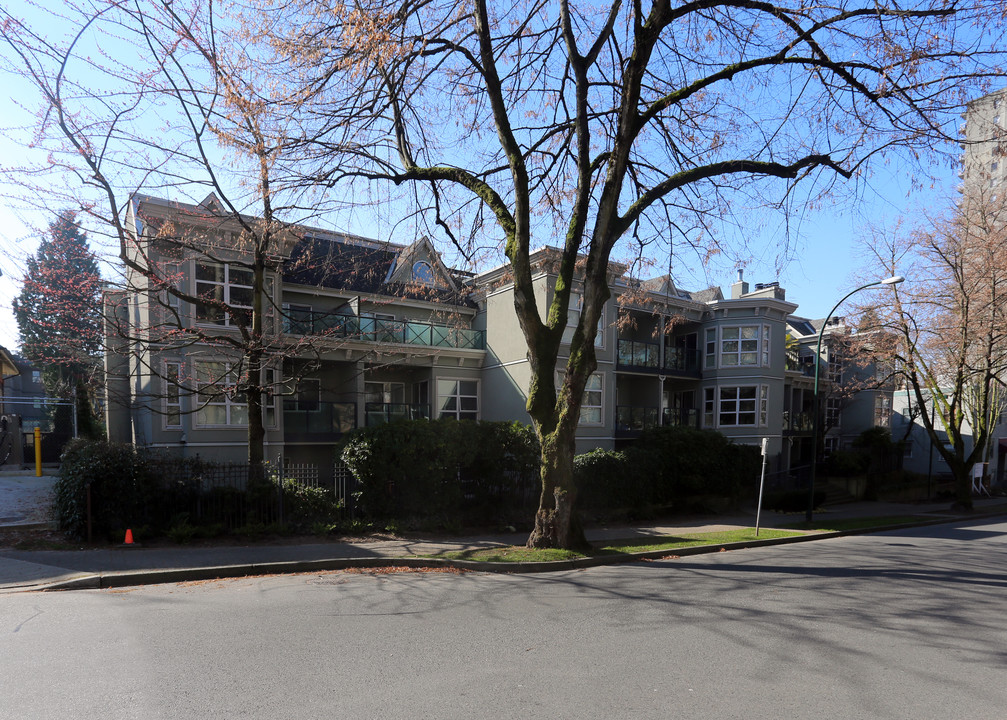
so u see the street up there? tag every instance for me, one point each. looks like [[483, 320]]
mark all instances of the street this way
[[907, 624]]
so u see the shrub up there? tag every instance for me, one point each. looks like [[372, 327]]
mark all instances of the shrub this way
[[444, 473], [306, 506], [685, 461], [123, 488]]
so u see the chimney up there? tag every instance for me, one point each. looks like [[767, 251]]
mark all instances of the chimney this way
[[739, 288]]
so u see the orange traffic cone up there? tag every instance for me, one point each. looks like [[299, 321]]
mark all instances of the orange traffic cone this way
[[129, 537]]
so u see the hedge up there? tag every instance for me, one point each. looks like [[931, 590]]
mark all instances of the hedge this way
[[443, 473]]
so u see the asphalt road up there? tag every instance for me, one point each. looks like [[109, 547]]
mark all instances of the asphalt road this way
[[908, 624]]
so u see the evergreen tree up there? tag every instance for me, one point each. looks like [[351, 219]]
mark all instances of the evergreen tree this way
[[58, 314]]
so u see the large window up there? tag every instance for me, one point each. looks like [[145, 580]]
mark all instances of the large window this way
[[458, 399], [738, 346], [736, 406], [230, 285], [222, 403]]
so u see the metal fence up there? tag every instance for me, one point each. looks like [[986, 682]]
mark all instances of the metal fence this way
[[56, 420]]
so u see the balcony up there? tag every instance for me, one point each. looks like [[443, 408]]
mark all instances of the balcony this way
[[638, 355], [680, 417], [631, 421], [804, 365], [382, 331], [319, 421], [380, 413], [685, 361], [802, 422]]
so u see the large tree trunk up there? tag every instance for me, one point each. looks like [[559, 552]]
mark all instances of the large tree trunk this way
[[963, 488], [556, 522]]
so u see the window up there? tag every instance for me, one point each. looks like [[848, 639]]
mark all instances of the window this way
[[739, 346], [591, 402], [882, 411], [737, 406], [741, 406], [833, 408], [172, 277], [835, 369], [36, 376], [573, 317], [307, 395], [228, 284], [385, 393], [458, 399], [423, 273], [831, 445], [222, 402], [172, 395]]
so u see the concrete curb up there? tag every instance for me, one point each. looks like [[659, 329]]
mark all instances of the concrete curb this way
[[130, 578]]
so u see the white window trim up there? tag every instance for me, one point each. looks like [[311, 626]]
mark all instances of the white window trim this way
[[573, 317], [760, 409], [227, 285], [439, 412], [763, 348], [601, 408], [231, 404], [172, 393]]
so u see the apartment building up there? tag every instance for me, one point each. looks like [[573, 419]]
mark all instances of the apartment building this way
[[364, 332]]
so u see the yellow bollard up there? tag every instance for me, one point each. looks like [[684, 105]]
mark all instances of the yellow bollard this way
[[38, 453]]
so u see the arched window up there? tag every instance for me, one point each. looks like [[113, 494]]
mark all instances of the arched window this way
[[423, 273]]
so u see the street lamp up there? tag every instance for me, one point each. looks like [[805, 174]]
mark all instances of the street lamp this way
[[894, 280]]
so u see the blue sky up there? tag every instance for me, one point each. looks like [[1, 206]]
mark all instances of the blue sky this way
[[818, 268]]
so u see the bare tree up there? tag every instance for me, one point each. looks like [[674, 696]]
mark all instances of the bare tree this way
[[148, 98], [948, 327], [638, 123]]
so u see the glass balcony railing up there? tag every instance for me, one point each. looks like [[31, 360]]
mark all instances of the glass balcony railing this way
[[683, 360], [637, 354], [635, 419], [680, 417], [319, 418], [383, 331], [798, 422], [380, 413]]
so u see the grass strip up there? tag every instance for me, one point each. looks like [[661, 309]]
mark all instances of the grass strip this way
[[517, 554]]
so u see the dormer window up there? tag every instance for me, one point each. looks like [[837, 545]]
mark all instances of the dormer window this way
[[423, 273]]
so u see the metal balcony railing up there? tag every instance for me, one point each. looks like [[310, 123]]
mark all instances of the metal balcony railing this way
[[380, 413], [366, 329], [319, 418]]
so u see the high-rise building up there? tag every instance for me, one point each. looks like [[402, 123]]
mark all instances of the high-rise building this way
[[984, 142]]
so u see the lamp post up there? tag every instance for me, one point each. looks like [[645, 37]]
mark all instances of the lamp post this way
[[815, 420]]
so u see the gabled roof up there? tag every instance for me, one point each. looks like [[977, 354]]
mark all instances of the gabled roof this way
[[709, 295], [358, 267]]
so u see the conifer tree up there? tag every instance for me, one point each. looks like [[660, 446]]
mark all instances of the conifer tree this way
[[58, 314]]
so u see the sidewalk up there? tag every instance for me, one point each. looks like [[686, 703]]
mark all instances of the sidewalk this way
[[22, 570]]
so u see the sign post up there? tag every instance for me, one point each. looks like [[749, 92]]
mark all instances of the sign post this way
[[762, 482]]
